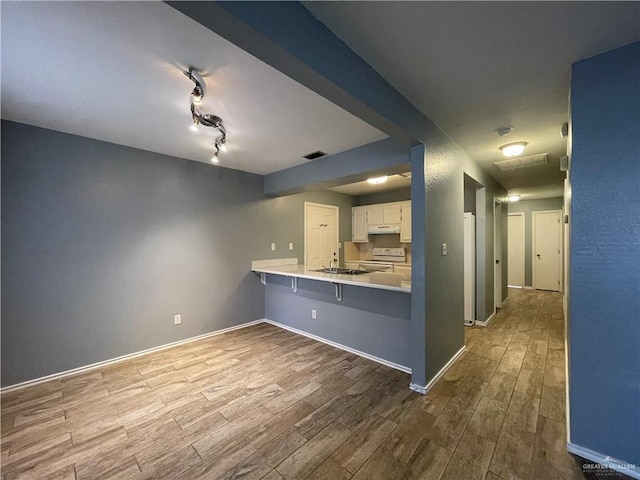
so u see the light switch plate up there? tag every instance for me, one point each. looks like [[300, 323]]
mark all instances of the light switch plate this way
[[273, 247], [290, 245], [444, 249]]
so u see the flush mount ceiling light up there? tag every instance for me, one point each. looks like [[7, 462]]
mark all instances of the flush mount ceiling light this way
[[513, 198], [205, 119], [513, 149], [377, 180]]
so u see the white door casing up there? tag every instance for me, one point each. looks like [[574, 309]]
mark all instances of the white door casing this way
[[546, 249], [516, 250], [497, 254], [320, 234], [469, 269]]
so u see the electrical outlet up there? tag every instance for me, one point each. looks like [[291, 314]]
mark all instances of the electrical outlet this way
[[177, 319], [290, 245], [273, 247], [444, 249], [313, 314]]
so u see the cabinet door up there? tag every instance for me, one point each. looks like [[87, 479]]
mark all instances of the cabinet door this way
[[405, 223], [359, 224], [375, 215], [391, 213]]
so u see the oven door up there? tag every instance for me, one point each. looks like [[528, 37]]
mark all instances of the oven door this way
[[376, 266]]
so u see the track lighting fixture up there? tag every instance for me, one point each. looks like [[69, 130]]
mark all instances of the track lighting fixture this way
[[205, 119]]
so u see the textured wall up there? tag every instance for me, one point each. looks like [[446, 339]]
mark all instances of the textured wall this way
[[604, 340], [102, 244], [528, 207]]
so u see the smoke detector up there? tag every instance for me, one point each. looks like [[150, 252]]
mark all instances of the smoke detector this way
[[504, 131]]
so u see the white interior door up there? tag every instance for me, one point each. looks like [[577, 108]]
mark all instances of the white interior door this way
[[497, 254], [515, 250], [546, 250], [321, 234], [469, 269]]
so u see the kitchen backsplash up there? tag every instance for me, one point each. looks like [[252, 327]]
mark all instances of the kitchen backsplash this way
[[364, 251]]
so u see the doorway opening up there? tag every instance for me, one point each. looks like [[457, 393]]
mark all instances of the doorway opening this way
[[516, 250], [474, 251]]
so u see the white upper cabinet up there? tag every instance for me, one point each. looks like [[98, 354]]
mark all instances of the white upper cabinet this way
[[384, 214], [405, 223], [359, 224], [395, 213]]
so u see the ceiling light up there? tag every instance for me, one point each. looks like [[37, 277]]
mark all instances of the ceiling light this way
[[513, 198], [377, 180], [513, 149], [194, 126], [205, 119], [222, 146]]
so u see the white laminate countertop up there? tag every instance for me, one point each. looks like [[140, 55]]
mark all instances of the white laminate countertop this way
[[381, 280]]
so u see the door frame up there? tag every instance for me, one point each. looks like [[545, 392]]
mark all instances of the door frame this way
[[519, 214], [337, 209], [497, 234], [533, 246]]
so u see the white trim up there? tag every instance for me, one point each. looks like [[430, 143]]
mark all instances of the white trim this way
[[528, 287], [423, 390], [496, 235], [504, 302], [322, 205], [86, 368], [514, 286], [382, 361], [486, 322], [524, 235], [533, 246], [626, 468]]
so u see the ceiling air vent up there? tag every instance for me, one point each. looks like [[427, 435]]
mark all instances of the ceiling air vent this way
[[523, 162], [314, 155]]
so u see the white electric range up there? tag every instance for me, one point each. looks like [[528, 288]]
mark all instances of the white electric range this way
[[384, 259]]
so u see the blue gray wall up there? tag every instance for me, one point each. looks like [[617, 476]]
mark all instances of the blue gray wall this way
[[103, 244], [604, 302], [286, 36], [370, 320], [528, 207]]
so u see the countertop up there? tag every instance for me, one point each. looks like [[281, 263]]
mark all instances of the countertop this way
[[382, 280]]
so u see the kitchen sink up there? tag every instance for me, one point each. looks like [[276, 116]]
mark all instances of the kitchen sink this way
[[343, 271]]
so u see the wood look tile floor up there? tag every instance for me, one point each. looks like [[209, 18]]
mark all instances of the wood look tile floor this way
[[264, 403]]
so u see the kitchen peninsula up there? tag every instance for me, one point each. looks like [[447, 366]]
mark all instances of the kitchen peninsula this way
[[368, 314]]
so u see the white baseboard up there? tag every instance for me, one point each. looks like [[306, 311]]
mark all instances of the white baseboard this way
[[486, 322], [382, 361], [86, 368], [527, 287], [504, 302], [514, 286], [423, 390], [629, 469]]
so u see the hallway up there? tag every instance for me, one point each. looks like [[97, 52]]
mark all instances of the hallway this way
[[262, 402]]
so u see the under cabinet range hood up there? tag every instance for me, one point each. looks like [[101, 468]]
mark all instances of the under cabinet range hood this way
[[383, 229]]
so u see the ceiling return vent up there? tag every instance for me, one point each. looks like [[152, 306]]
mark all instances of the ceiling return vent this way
[[523, 162], [314, 155]]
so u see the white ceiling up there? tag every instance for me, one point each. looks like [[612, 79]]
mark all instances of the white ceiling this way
[[113, 71], [473, 67], [393, 182]]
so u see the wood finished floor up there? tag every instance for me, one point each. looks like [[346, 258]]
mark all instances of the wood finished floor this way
[[262, 402]]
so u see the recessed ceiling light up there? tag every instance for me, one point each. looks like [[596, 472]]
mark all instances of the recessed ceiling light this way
[[513, 198], [377, 180], [513, 149]]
